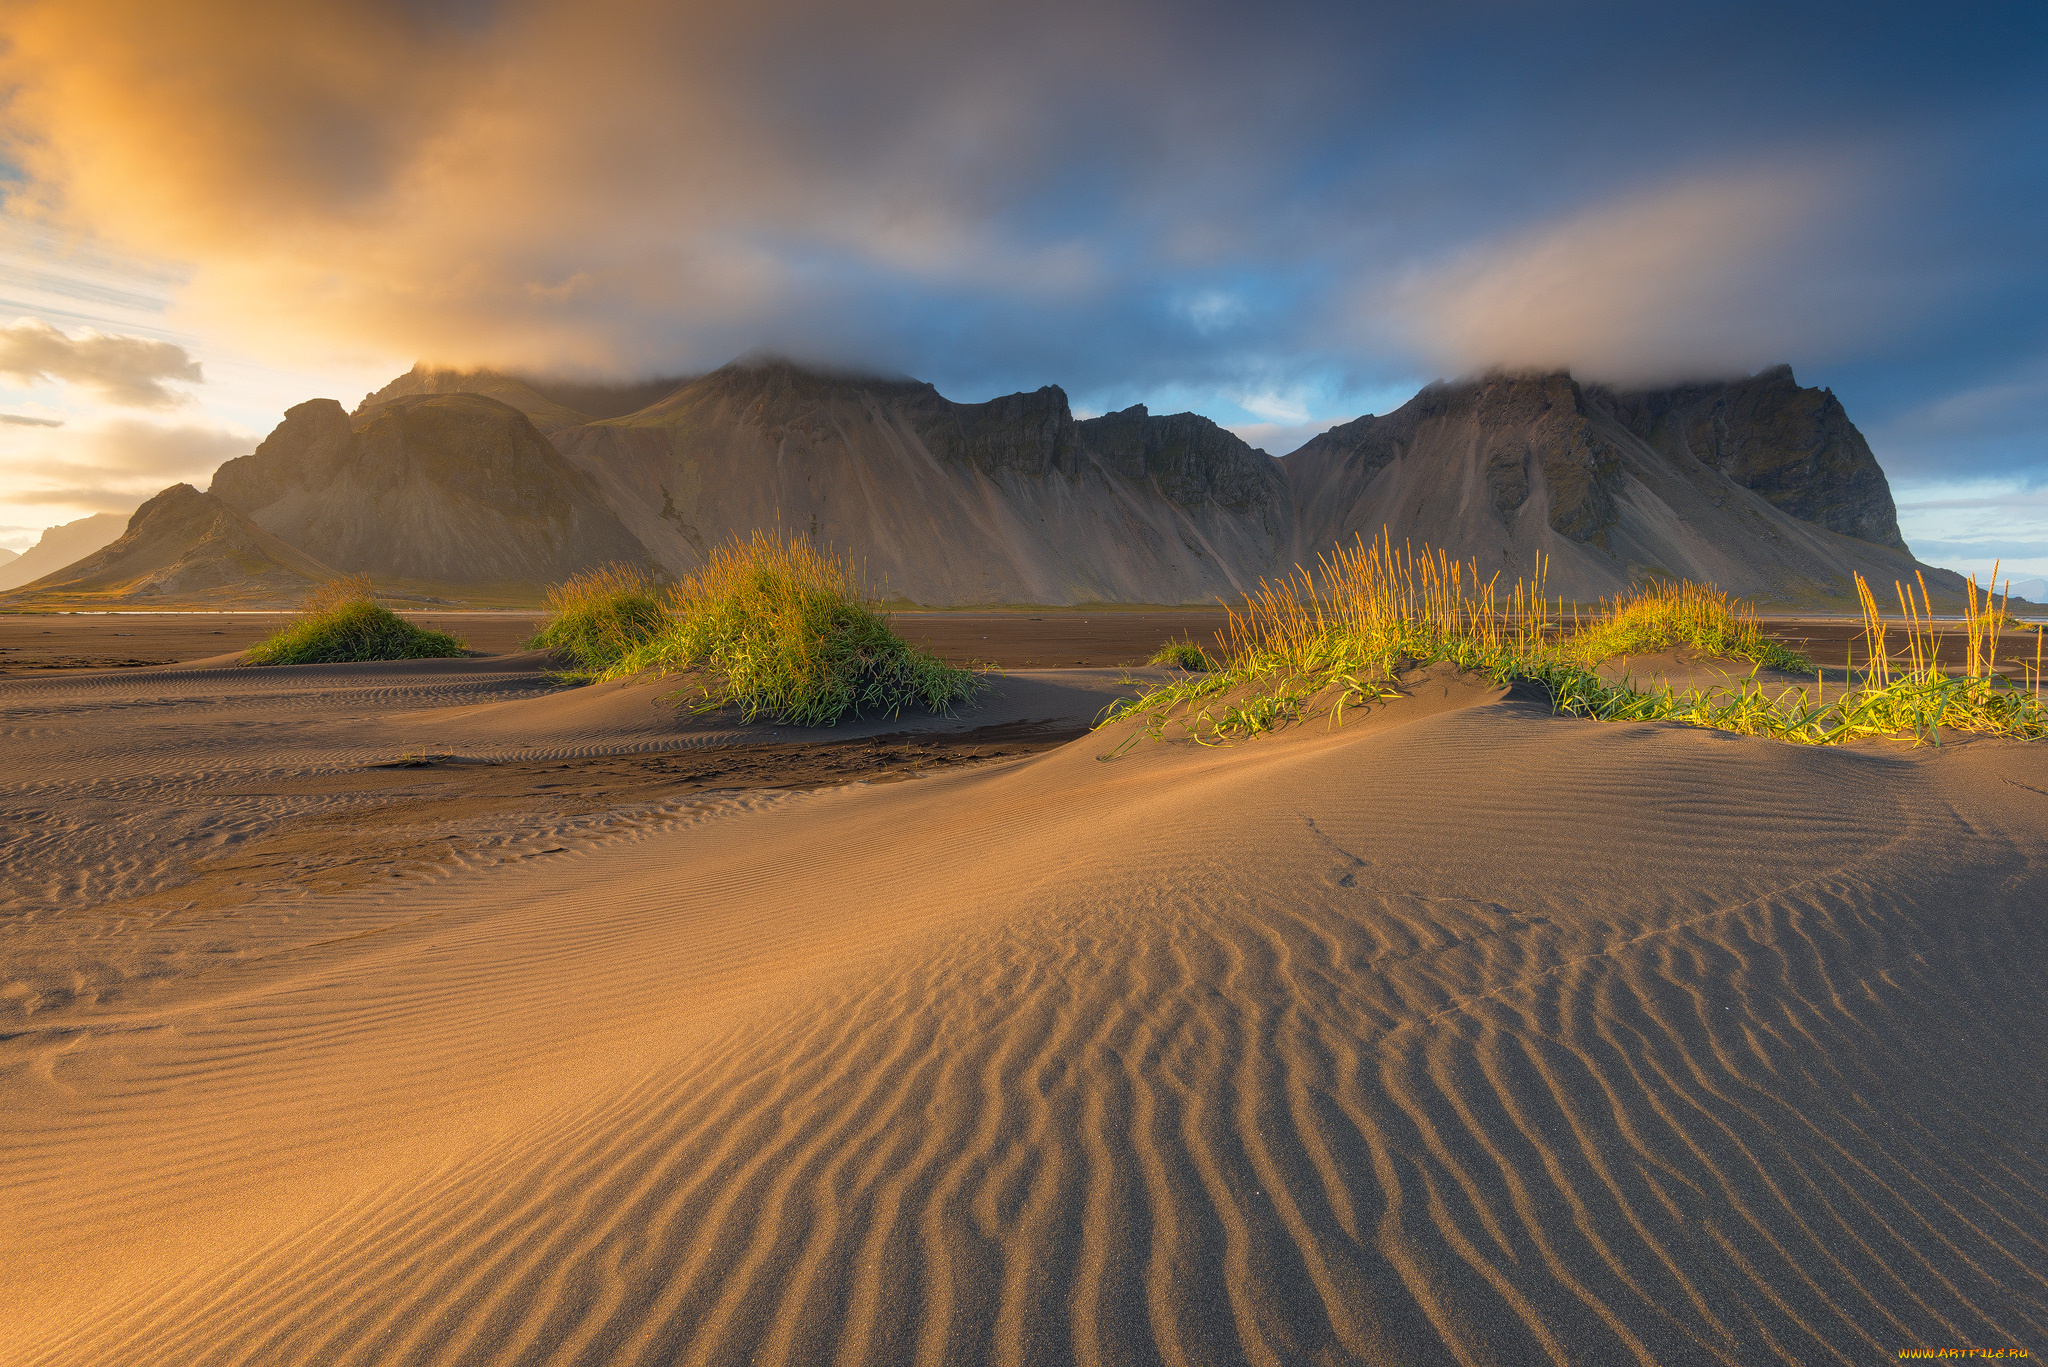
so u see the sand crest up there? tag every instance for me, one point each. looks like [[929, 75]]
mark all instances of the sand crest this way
[[1462, 1033]]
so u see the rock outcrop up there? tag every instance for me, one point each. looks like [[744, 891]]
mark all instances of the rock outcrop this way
[[184, 548], [1794, 446]]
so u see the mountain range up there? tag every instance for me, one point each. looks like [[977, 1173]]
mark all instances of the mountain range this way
[[485, 487]]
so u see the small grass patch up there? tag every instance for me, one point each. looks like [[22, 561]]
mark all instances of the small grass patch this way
[[1675, 613], [1183, 654], [341, 623], [778, 628], [601, 616], [1324, 641]]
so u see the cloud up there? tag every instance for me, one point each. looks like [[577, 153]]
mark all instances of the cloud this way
[[526, 188], [124, 370], [113, 465], [23, 420], [1280, 438], [1985, 549], [1110, 197], [1992, 421], [1710, 276]]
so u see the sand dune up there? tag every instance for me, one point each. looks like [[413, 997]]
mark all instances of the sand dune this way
[[1462, 1033]]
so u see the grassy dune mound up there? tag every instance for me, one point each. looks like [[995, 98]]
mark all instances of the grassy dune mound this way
[[1336, 638], [1679, 613], [772, 626], [341, 623], [602, 616]]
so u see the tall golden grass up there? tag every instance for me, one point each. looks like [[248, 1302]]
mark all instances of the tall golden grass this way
[[1678, 612], [1338, 636]]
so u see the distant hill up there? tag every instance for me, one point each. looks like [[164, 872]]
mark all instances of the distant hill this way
[[182, 548], [60, 546], [2034, 590], [7, 555]]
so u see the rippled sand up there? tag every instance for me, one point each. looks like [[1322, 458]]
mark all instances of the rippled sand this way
[[1461, 1033]]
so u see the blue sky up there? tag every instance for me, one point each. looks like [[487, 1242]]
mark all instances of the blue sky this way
[[1280, 217]]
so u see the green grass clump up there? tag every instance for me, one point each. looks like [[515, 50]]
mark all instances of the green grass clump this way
[[778, 628], [1337, 638], [603, 615], [1680, 613], [340, 623], [1183, 654]]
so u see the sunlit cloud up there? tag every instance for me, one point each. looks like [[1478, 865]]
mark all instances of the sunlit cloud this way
[[1126, 200], [115, 464], [129, 371], [1709, 277]]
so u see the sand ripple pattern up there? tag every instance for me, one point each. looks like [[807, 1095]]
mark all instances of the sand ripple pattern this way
[[1491, 1039]]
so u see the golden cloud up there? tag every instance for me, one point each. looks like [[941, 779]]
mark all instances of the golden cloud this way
[[575, 185], [125, 370]]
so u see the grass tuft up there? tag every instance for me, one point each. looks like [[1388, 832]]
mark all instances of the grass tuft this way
[[340, 623], [601, 616], [776, 627], [1183, 654], [1677, 613], [1336, 638]]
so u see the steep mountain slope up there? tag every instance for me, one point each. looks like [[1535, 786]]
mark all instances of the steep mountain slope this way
[[60, 546], [1609, 487], [454, 490], [1008, 501], [1794, 446], [183, 548]]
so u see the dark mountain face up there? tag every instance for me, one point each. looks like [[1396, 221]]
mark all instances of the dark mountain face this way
[[1512, 471], [1794, 446], [1524, 429], [1189, 458]]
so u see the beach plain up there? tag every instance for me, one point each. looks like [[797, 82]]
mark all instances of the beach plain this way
[[441, 1011]]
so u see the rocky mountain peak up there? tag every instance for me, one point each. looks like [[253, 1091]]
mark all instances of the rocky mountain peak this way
[[1793, 445]]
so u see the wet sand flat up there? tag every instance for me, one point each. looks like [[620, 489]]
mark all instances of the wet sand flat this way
[[437, 1012], [32, 643], [41, 642]]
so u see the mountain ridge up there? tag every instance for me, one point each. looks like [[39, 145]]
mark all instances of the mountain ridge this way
[[488, 487]]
